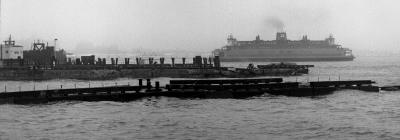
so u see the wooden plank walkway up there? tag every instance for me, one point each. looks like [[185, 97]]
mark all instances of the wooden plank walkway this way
[[227, 88]]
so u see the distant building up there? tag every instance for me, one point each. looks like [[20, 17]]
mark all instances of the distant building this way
[[88, 60], [10, 54], [44, 55], [11, 51], [61, 57]]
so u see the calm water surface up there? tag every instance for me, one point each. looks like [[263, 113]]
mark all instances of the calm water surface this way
[[346, 114]]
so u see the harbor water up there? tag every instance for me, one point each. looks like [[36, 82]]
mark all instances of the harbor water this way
[[346, 114]]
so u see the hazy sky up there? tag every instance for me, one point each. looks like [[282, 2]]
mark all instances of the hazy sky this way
[[200, 25]]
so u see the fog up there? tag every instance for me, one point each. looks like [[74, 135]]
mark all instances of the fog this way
[[98, 26]]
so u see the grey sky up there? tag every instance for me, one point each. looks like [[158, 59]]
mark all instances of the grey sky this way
[[200, 24]]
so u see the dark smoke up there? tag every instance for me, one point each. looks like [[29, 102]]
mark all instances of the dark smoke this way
[[275, 23]]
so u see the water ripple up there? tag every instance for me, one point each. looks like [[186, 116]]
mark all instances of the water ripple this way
[[346, 114]]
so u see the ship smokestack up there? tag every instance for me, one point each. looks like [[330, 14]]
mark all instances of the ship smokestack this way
[[276, 23]]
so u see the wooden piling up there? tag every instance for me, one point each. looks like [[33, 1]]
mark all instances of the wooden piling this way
[[162, 61], [173, 61], [157, 86], [104, 61], [137, 61], [150, 60], [148, 84], [140, 82]]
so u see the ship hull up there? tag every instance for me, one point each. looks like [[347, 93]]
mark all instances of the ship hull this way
[[297, 59], [283, 50]]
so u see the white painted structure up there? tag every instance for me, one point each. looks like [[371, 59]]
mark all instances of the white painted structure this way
[[10, 51]]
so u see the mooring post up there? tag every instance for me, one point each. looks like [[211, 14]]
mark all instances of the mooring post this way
[[75, 85], [162, 61], [129, 84], [157, 85], [89, 84], [204, 62], [217, 62], [148, 84], [127, 61], [140, 83], [150, 60], [5, 87], [116, 84], [34, 88], [98, 61], [61, 86], [173, 62], [168, 87], [19, 88]]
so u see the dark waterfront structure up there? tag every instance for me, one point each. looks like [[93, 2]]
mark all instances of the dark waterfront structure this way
[[43, 55], [44, 62], [283, 49], [86, 68], [88, 60], [203, 89]]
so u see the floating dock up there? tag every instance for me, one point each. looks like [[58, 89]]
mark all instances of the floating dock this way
[[202, 89]]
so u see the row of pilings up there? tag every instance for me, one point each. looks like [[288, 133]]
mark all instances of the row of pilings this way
[[198, 61]]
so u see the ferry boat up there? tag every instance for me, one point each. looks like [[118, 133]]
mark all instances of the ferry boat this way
[[283, 50]]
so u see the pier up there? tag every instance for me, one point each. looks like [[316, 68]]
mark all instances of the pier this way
[[88, 68], [201, 89]]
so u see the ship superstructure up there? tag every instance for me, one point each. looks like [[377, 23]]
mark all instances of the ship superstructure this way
[[9, 50], [283, 49], [10, 53]]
